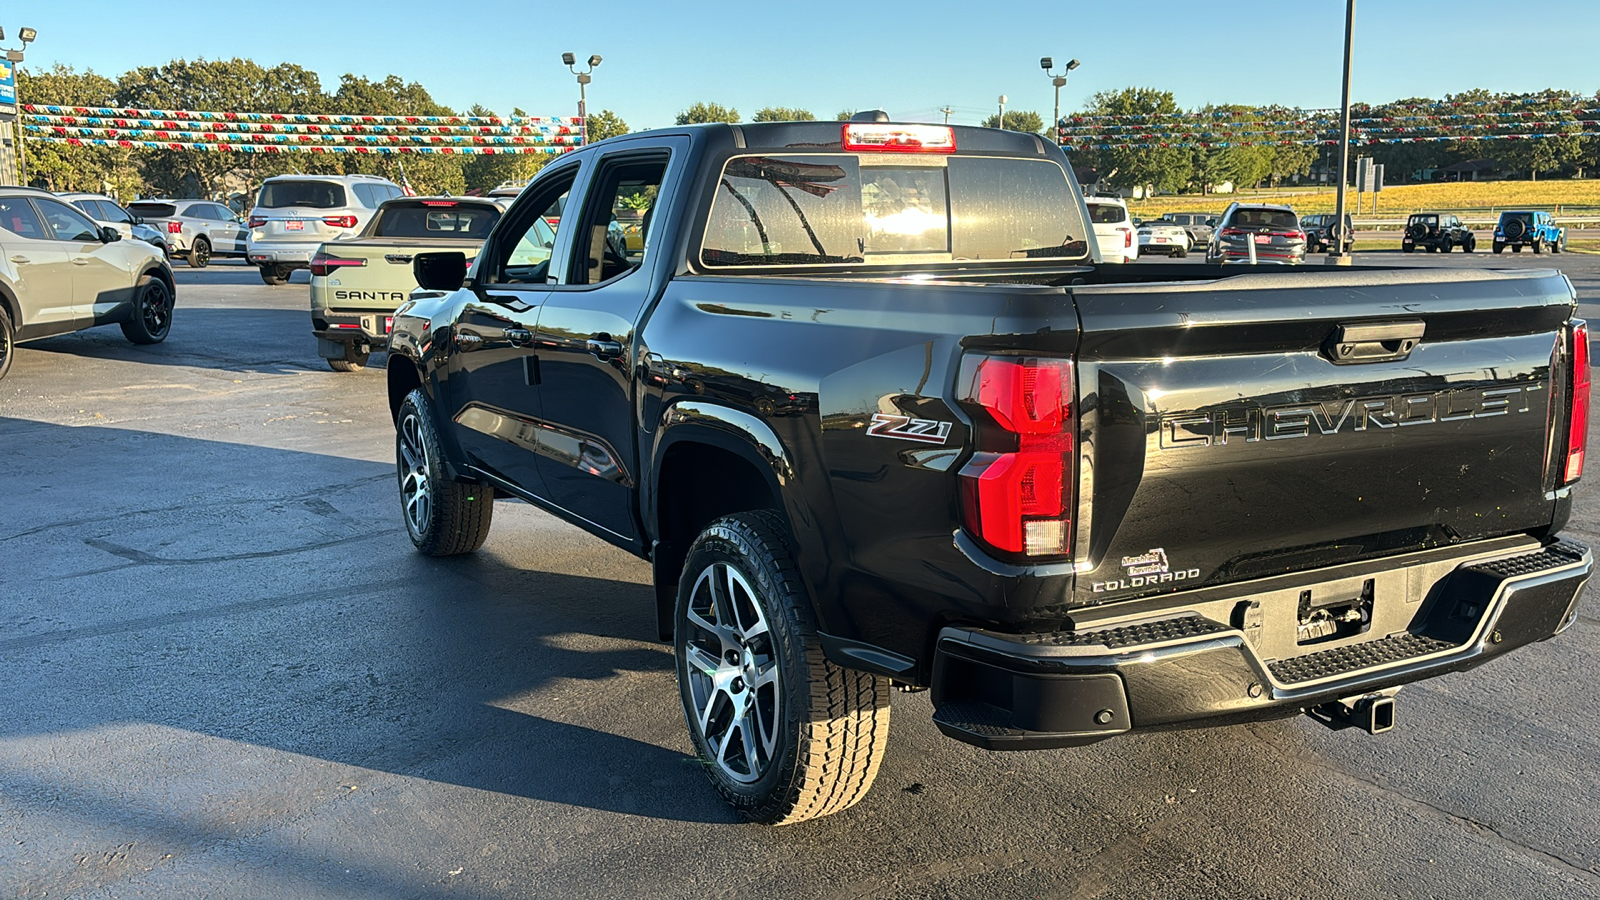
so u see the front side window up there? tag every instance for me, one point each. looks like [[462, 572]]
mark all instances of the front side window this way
[[17, 216], [67, 223], [115, 213], [530, 238], [307, 194]]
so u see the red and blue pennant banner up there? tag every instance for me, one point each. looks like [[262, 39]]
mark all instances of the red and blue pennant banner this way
[[110, 122], [308, 140], [1519, 119], [184, 115], [1322, 142], [1571, 101], [294, 148]]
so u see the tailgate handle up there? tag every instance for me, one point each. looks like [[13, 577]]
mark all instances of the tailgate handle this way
[[1354, 344]]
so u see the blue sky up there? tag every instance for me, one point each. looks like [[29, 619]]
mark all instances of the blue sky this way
[[908, 58]]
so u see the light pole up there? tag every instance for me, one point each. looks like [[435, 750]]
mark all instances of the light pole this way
[[14, 58], [583, 81], [1002, 112], [1336, 255], [1060, 81]]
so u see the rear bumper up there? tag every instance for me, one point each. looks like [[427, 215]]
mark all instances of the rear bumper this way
[[1017, 692], [286, 253], [334, 329]]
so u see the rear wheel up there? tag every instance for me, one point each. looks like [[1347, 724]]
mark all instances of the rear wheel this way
[[443, 517], [151, 317], [354, 359], [783, 734], [1181, 252], [274, 275], [7, 341], [1469, 244], [200, 253], [1408, 248], [1498, 247], [1445, 245], [1516, 248]]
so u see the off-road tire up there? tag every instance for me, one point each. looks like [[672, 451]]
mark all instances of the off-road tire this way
[[1408, 248], [455, 517], [832, 723], [1445, 245], [272, 275], [1516, 248], [150, 320], [200, 253], [1469, 245], [354, 359], [8, 341], [1498, 247], [1538, 246], [1558, 245]]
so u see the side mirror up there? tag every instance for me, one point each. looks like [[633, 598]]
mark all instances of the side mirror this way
[[440, 271], [109, 235]]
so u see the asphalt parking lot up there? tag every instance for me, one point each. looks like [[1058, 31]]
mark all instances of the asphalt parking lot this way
[[224, 672]]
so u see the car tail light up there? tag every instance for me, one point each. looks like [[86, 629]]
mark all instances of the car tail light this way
[[439, 203], [324, 263], [1578, 420], [1295, 235], [1017, 492], [257, 221], [1233, 232], [174, 228], [1127, 238], [340, 221], [899, 138]]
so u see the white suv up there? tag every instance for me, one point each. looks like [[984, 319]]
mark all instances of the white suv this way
[[295, 214], [1113, 230]]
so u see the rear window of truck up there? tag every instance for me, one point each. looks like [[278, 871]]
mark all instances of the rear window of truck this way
[[433, 219], [832, 208], [309, 194], [153, 210]]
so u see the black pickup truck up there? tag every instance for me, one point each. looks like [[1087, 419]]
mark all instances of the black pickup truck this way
[[863, 396]]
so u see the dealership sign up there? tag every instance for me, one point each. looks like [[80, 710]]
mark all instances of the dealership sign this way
[[8, 89]]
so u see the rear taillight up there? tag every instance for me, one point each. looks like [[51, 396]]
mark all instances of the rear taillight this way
[[1127, 238], [1294, 235], [174, 228], [324, 264], [257, 221], [340, 221], [1017, 494], [1578, 420], [1233, 232]]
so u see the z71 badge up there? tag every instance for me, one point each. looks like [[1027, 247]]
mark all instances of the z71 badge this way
[[927, 431]]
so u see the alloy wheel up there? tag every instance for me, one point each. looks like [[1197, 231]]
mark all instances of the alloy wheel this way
[[155, 307], [733, 673], [416, 487]]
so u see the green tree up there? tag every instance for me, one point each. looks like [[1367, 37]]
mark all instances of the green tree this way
[[783, 114], [1018, 120], [843, 115], [1546, 154], [1165, 168], [605, 124], [63, 167], [393, 96], [485, 172], [702, 112]]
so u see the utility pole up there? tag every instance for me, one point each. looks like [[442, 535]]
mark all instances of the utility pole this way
[[947, 111], [1002, 112], [1336, 255]]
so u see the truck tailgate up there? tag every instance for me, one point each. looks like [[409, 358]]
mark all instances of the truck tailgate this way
[[1271, 423]]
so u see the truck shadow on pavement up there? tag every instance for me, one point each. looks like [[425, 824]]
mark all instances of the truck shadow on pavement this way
[[242, 340], [297, 617]]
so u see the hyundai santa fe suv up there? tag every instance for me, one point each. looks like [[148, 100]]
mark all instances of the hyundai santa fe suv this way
[[295, 214]]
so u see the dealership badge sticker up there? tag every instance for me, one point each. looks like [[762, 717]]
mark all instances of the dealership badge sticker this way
[[1147, 569], [927, 431]]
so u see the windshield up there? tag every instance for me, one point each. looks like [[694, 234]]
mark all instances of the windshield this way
[[435, 219], [829, 208], [311, 194], [1107, 214], [1269, 218]]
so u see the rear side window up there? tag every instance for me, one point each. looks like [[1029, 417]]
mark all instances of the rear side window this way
[[309, 194], [437, 220], [17, 216], [1107, 214], [830, 208], [153, 210]]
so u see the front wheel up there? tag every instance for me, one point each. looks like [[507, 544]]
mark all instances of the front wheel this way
[[783, 734], [200, 253], [1469, 245], [1559, 244], [1538, 247], [443, 517], [151, 317]]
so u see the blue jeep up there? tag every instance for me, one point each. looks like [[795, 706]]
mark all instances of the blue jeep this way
[[1517, 229]]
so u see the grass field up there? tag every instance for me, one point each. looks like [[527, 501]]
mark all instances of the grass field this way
[[1475, 196]]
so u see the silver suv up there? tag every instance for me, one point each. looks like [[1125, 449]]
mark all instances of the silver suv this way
[[61, 272], [196, 230], [294, 214]]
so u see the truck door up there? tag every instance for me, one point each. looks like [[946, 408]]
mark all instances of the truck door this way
[[494, 367], [588, 454]]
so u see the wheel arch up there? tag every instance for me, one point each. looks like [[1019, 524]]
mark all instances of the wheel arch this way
[[13, 307], [710, 461], [403, 376]]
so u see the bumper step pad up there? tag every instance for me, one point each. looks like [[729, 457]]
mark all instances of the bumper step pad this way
[[1340, 660]]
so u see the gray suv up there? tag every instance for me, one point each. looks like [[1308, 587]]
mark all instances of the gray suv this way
[[295, 214], [196, 230]]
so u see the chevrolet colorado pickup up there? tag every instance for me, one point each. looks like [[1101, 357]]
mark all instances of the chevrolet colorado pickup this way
[[866, 399]]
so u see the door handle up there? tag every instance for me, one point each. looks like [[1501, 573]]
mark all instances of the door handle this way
[[519, 337], [79, 261], [604, 350], [1354, 344], [21, 260]]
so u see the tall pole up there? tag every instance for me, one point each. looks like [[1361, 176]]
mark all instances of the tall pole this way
[[1060, 81], [1002, 112], [583, 110], [1336, 255]]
